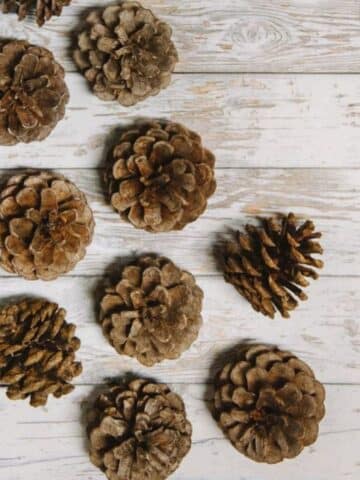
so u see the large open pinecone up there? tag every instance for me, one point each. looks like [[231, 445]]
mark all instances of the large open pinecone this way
[[45, 225], [138, 431], [269, 403], [159, 176], [269, 264], [44, 9], [126, 53], [37, 351], [153, 312], [33, 93]]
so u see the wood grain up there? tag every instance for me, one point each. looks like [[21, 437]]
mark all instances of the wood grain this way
[[329, 197], [241, 36], [272, 88], [290, 121], [49, 442], [323, 331]]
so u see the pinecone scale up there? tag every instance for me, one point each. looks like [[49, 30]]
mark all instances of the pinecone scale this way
[[138, 431], [125, 53], [33, 93], [271, 264], [43, 9], [268, 403], [37, 351], [153, 312], [160, 177]]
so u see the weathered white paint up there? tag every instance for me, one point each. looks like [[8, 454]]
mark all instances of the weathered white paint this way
[[283, 142], [291, 121], [235, 36], [50, 442], [324, 330]]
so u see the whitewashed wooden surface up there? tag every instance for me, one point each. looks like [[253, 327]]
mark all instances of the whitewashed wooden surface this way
[[273, 87]]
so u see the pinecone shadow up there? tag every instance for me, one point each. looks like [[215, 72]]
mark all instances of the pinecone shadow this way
[[219, 361]]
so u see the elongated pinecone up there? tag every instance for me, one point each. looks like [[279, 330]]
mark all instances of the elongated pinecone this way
[[153, 312], [44, 9], [269, 403], [269, 264], [160, 177], [126, 53], [45, 225], [37, 351], [138, 431], [33, 93]]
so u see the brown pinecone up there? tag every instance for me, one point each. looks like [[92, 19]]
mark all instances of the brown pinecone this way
[[44, 9], [160, 176], [269, 404], [269, 264], [33, 93], [126, 53], [138, 431], [45, 225], [37, 351], [153, 312]]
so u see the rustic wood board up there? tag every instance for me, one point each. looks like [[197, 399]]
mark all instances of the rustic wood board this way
[[272, 87]]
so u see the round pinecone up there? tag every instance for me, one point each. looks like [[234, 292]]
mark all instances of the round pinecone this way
[[138, 431], [45, 225], [37, 351], [44, 9], [153, 312], [269, 264], [269, 404], [126, 53], [33, 93], [160, 176]]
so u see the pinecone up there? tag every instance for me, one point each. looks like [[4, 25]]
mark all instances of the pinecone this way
[[153, 312], [269, 264], [160, 176], [138, 431], [33, 93], [126, 53], [44, 9], [37, 351], [45, 225], [269, 404]]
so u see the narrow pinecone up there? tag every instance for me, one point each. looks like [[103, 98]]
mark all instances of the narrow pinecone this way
[[125, 53], [160, 176], [269, 403], [138, 431], [153, 312], [33, 93], [37, 351], [45, 225], [270, 264], [43, 9]]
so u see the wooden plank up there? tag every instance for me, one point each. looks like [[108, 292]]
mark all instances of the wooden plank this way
[[241, 36], [324, 331], [330, 197], [50, 442], [293, 121]]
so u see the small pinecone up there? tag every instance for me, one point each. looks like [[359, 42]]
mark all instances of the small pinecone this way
[[269, 264], [33, 93], [44, 9], [126, 53], [269, 404], [153, 312], [138, 431], [45, 225], [160, 176], [37, 351]]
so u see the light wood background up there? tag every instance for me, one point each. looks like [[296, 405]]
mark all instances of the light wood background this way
[[274, 88]]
